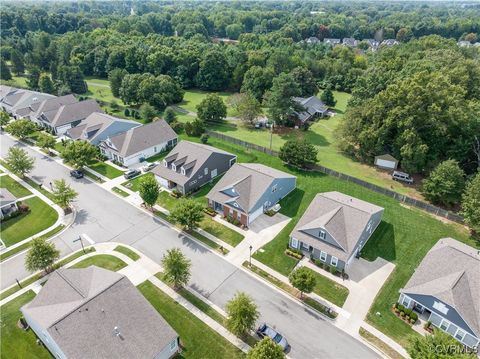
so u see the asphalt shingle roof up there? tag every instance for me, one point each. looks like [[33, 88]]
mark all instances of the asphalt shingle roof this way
[[76, 111], [6, 197]]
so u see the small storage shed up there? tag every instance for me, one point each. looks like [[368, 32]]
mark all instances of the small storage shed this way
[[386, 161]]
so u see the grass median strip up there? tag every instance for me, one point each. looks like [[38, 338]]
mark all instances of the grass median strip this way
[[198, 339], [380, 344], [128, 252], [120, 191], [93, 177], [40, 188]]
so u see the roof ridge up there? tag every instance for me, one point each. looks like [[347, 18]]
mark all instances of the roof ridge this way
[[256, 170], [75, 288], [347, 203], [339, 208]]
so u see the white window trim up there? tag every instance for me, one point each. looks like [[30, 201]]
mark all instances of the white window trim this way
[[324, 255], [174, 168], [183, 171], [294, 243], [332, 260], [165, 163], [447, 322], [322, 234], [205, 171], [460, 331], [173, 344], [274, 188]]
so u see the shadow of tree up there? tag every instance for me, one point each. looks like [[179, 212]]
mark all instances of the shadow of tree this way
[[291, 204], [381, 244]]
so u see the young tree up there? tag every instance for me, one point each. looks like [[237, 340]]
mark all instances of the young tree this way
[[438, 345], [298, 153], [63, 194], [41, 255], [249, 108], [4, 118], [21, 128], [149, 190], [176, 267], [19, 161], [445, 183], [328, 98], [169, 115], [194, 128], [147, 112], [242, 314], [212, 109], [188, 213], [78, 153], [45, 83], [45, 141], [471, 204], [302, 279], [266, 349], [115, 77]]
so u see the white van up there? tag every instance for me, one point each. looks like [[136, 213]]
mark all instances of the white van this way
[[402, 177]]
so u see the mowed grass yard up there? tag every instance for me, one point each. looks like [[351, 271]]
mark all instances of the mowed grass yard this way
[[404, 236], [40, 217], [14, 187], [103, 261], [193, 97], [198, 340], [17, 343], [105, 169]]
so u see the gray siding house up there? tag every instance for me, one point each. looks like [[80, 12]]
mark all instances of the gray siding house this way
[[247, 190], [48, 108], [95, 313], [313, 109], [335, 227], [445, 289], [191, 165]]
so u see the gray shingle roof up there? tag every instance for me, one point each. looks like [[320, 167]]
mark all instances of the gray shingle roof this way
[[143, 137], [245, 183], [312, 106], [76, 111], [53, 104], [386, 157], [342, 216], [6, 197], [451, 272], [189, 154], [81, 307]]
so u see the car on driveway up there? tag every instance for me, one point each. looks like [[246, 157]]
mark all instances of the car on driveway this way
[[266, 331], [76, 174], [402, 177], [149, 166], [131, 173]]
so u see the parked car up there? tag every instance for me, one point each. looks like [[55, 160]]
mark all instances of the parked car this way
[[131, 173], [149, 166], [266, 331], [402, 177], [76, 174]]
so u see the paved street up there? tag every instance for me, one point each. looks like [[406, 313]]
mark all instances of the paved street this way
[[105, 217]]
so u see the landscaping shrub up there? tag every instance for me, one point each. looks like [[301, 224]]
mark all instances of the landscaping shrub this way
[[210, 211], [204, 138], [126, 112], [176, 193], [177, 126], [333, 270], [294, 253], [23, 207]]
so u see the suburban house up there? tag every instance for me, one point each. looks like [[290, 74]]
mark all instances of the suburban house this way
[[247, 190], [15, 99], [96, 313], [386, 161], [389, 42], [335, 227], [350, 41], [372, 43], [191, 165], [98, 126], [313, 40], [68, 116], [47, 108], [314, 108], [332, 42], [445, 289], [6, 90], [139, 143], [8, 203]]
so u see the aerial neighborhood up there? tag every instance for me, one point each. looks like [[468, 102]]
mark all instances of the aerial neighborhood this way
[[258, 180]]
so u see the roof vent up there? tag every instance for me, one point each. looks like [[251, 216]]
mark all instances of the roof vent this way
[[116, 332]]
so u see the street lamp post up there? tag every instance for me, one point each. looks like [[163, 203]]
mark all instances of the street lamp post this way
[[250, 255], [81, 242]]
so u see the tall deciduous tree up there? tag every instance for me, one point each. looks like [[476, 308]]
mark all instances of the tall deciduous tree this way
[[279, 100], [302, 279], [212, 109], [46, 141], [445, 183], [115, 77], [149, 190], [213, 73], [176, 267], [41, 255], [305, 81], [242, 314], [328, 98], [18, 65], [257, 80], [471, 204], [45, 84], [248, 108], [21, 128], [79, 153], [18, 161], [33, 77], [5, 73], [298, 153], [266, 349], [63, 193], [147, 112], [188, 213]]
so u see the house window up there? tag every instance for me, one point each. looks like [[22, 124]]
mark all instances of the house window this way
[[173, 345], [294, 243], [232, 161], [442, 308], [155, 149], [444, 325], [165, 163], [460, 334], [182, 170], [205, 171], [322, 234], [174, 168], [334, 261], [406, 301], [323, 256], [120, 159], [274, 188]]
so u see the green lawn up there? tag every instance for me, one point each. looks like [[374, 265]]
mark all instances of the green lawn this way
[[403, 237], [13, 186], [134, 184], [120, 191], [128, 252], [17, 343], [198, 339], [102, 260], [40, 217], [100, 90], [330, 290], [193, 97], [16, 81], [158, 157], [105, 169]]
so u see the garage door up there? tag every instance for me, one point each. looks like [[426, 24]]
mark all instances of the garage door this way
[[385, 163], [255, 214], [162, 181]]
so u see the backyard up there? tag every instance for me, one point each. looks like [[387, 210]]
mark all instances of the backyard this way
[[198, 340], [41, 216], [403, 237]]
